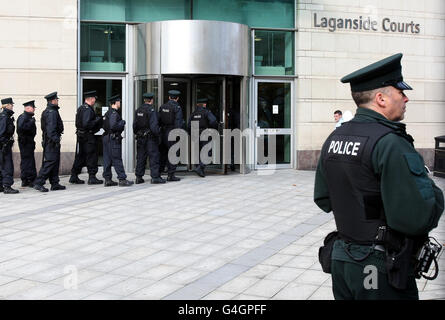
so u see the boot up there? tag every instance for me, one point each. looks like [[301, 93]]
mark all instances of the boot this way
[[94, 180], [1, 189], [25, 184], [76, 180], [199, 172], [9, 190], [157, 180], [110, 183], [125, 183], [172, 177], [40, 188], [139, 180], [57, 186]]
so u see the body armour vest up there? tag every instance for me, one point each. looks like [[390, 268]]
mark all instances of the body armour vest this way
[[354, 188], [200, 115], [142, 118], [167, 114]]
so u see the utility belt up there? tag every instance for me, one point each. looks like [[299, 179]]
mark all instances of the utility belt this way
[[168, 127], [25, 139], [113, 135], [83, 133], [141, 134], [402, 254], [7, 143], [47, 141]]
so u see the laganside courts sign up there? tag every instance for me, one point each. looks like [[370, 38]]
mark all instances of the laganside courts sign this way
[[362, 23]]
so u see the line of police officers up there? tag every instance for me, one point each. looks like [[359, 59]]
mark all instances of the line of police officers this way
[[151, 130]]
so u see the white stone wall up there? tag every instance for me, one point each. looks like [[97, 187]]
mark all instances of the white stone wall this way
[[323, 57], [38, 50]]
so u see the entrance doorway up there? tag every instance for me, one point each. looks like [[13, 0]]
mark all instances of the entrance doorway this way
[[224, 101], [273, 120]]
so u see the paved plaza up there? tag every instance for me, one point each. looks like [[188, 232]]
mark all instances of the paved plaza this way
[[252, 236]]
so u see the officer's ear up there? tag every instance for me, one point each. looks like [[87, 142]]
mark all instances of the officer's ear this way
[[380, 99]]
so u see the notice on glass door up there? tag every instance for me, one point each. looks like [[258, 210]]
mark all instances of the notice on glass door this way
[[275, 109]]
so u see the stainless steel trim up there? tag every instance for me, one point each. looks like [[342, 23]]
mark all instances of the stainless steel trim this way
[[192, 47]]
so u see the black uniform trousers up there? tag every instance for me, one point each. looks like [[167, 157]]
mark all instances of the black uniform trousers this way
[[201, 145], [50, 166], [28, 172], [6, 167], [112, 156], [164, 148], [147, 147], [86, 155]]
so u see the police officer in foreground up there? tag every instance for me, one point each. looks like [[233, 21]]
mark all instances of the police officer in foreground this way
[[112, 144], [6, 141], [375, 182], [52, 130], [26, 131], [87, 125], [205, 119], [146, 130], [170, 118]]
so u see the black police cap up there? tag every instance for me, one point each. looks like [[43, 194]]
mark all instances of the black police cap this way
[[88, 94], [202, 100], [30, 104], [383, 73], [51, 96], [7, 101], [148, 95], [174, 93], [115, 98]]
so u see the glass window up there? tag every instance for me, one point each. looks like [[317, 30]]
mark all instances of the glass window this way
[[157, 10], [102, 47], [254, 13], [102, 10], [144, 86], [134, 10], [274, 105], [274, 52]]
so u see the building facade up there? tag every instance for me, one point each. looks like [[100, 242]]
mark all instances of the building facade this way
[[268, 68]]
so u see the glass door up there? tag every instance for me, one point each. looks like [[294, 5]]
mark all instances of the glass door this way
[[183, 85], [273, 124], [106, 88], [214, 89]]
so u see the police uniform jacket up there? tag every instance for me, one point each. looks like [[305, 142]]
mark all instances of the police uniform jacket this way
[[86, 119], [146, 118], [113, 122], [7, 127], [26, 127], [412, 204], [52, 124]]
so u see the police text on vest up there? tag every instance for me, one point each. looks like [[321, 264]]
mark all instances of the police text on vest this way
[[344, 147]]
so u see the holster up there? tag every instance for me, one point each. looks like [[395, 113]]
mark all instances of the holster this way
[[325, 252], [398, 264]]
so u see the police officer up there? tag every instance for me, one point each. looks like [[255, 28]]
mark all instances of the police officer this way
[[205, 119], [170, 117], [6, 141], [87, 124], [26, 131], [146, 130], [372, 178], [112, 144], [52, 130]]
